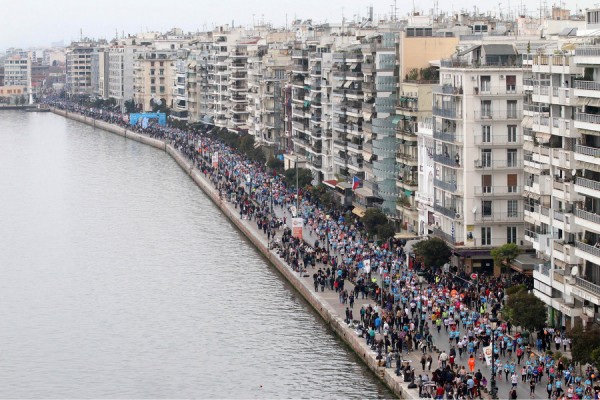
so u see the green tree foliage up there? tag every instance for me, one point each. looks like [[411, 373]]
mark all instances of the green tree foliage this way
[[373, 219], [304, 177], [386, 231], [275, 164], [434, 252], [526, 310], [130, 106], [507, 252], [585, 347]]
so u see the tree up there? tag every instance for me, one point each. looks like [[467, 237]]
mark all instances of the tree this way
[[304, 177], [372, 219], [275, 164], [585, 347], [434, 252], [505, 253], [129, 106], [386, 231], [524, 309]]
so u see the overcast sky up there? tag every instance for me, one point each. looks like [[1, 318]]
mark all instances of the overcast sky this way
[[39, 22]]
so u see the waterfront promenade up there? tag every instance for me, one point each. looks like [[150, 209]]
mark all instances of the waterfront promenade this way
[[326, 302]]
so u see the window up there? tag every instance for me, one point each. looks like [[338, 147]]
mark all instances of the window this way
[[486, 236], [152, 72], [512, 133], [486, 183], [511, 109], [486, 133], [152, 81], [486, 81], [486, 109], [161, 71], [511, 83], [152, 63], [152, 89], [511, 234], [511, 183], [511, 157], [486, 158], [486, 208], [512, 208], [162, 89]]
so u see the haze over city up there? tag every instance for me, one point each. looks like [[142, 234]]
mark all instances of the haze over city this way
[[39, 23]]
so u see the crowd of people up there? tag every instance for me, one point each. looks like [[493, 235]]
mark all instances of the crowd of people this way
[[413, 309]]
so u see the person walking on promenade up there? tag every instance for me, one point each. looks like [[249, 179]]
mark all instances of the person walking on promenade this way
[[472, 363]]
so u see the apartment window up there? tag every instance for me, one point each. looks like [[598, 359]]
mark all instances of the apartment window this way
[[511, 157], [152, 81], [152, 89], [486, 81], [511, 234], [486, 158], [486, 183], [162, 89], [511, 109], [152, 63], [486, 235], [511, 183], [486, 133], [512, 208], [486, 208], [512, 133], [152, 72], [162, 64], [161, 71], [486, 109], [511, 83]]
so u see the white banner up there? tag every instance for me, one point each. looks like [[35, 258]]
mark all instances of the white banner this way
[[487, 352], [297, 225], [367, 266], [215, 159]]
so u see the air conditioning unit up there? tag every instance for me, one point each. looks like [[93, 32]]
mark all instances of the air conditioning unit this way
[[501, 76], [457, 216], [478, 164]]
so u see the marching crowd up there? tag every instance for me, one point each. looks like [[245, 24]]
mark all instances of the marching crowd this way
[[410, 312]]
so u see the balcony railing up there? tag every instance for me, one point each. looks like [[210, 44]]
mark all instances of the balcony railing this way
[[443, 235], [446, 112], [587, 85], [587, 51], [498, 114], [448, 212], [589, 118], [499, 217], [497, 190], [588, 216], [447, 186], [447, 136], [587, 151], [587, 183], [498, 164], [589, 286], [593, 250], [446, 160]]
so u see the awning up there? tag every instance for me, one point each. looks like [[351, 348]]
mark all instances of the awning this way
[[543, 137], [594, 102], [468, 50], [527, 121], [583, 101], [367, 115], [397, 119], [331, 183], [405, 235], [359, 211], [408, 192], [353, 66], [531, 170], [347, 84], [363, 192]]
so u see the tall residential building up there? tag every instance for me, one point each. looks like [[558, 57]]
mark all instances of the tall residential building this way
[[17, 71], [121, 60], [153, 78], [478, 153], [300, 104], [99, 72], [79, 68], [550, 137]]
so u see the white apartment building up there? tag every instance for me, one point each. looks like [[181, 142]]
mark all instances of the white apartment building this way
[[153, 78], [478, 153], [79, 68], [17, 71]]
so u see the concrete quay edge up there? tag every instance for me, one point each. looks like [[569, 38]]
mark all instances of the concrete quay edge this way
[[333, 318]]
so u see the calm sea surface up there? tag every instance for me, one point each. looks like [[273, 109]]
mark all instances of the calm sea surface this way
[[119, 278]]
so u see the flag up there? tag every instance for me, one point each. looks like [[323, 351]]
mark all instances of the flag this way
[[355, 182]]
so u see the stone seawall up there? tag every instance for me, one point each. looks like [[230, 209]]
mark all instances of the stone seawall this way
[[333, 317]]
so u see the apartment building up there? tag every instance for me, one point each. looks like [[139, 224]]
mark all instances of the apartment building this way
[[121, 57], [99, 72], [17, 71], [478, 155], [153, 77], [419, 46], [79, 68]]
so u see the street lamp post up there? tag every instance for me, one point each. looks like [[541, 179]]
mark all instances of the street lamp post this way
[[494, 388], [297, 209]]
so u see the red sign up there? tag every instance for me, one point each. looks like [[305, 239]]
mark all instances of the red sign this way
[[474, 276]]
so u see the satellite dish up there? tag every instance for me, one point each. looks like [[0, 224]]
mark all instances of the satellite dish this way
[[474, 209], [574, 172], [298, 34], [575, 271], [158, 102]]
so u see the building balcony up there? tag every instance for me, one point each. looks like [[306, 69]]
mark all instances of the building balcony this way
[[587, 286], [444, 236], [493, 191], [446, 160], [499, 115], [497, 141], [587, 154], [587, 220], [498, 164], [451, 187], [449, 212], [587, 252], [451, 113], [587, 187], [498, 217], [450, 137], [587, 121]]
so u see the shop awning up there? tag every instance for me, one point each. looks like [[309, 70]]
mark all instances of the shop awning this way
[[359, 211], [347, 84], [405, 235], [527, 121], [583, 101], [353, 66], [331, 183]]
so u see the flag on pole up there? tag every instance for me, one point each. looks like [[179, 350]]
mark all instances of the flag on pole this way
[[355, 182]]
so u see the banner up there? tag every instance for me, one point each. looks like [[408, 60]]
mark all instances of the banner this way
[[215, 159], [487, 352], [367, 266], [297, 225]]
